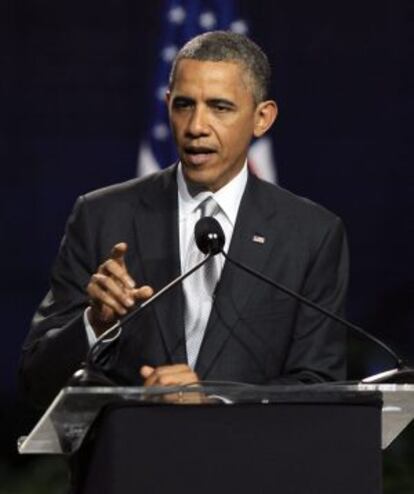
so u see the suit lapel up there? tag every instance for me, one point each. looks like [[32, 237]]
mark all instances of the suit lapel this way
[[156, 225], [252, 241]]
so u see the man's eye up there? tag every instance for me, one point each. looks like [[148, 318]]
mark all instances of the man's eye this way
[[222, 108], [179, 104]]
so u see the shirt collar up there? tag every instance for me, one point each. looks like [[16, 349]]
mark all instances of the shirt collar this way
[[228, 197]]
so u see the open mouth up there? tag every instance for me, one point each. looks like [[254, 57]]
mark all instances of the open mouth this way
[[198, 155]]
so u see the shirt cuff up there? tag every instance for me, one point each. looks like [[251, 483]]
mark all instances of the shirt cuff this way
[[90, 333]]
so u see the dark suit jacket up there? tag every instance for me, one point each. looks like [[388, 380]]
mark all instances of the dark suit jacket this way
[[255, 333]]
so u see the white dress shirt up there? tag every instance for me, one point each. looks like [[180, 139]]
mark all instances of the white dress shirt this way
[[228, 198]]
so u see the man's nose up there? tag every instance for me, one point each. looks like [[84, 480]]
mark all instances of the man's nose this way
[[198, 123]]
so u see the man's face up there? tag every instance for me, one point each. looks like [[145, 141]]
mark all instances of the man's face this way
[[213, 118]]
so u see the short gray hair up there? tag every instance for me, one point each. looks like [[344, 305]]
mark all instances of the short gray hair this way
[[226, 46]]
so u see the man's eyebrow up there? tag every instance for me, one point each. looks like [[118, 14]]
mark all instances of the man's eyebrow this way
[[185, 99]]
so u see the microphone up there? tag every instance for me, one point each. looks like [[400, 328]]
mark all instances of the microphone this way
[[210, 240], [209, 235], [402, 374]]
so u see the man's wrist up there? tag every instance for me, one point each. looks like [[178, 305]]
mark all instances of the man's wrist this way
[[98, 326]]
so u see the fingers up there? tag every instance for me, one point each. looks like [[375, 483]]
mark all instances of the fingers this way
[[146, 371], [118, 252], [143, 293], [105, 290], [118, 272], [111, 289], [168, 375]]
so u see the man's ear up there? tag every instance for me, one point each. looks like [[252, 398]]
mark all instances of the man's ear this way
[[265, 114]]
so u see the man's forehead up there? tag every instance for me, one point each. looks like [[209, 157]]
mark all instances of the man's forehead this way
[[190, 74]]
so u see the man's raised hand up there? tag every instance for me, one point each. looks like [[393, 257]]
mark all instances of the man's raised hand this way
[[112, 291]]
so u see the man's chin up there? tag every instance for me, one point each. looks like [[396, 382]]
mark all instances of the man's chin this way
[[198, 180]]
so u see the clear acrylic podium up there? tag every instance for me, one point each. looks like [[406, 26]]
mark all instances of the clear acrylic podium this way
[[228, 438]]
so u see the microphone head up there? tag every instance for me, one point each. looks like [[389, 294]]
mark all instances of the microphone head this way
[[209, 235]]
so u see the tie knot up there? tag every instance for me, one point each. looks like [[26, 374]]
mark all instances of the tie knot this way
[[209, 207]]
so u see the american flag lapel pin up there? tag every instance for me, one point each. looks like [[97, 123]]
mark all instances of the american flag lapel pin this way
[[259, 239]]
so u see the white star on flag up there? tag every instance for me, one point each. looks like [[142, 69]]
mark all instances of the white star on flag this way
[[176, 15], [208, 20]]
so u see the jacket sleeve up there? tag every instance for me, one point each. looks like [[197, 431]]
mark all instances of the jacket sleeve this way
[[317, 351], [57, 344]]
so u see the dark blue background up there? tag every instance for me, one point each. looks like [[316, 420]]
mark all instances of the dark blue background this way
[[76, 78]]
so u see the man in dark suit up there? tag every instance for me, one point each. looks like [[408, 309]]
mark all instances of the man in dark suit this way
[[124, 242]]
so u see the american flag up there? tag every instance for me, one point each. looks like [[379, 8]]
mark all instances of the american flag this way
[[182, 20]]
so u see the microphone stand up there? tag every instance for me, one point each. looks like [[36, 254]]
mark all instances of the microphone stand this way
[[401, 374]]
